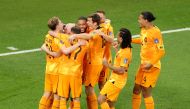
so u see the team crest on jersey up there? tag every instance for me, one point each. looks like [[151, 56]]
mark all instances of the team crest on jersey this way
[[125, 61], [110, 33], [156, 41]]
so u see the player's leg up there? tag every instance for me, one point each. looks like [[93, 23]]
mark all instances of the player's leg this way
[[111, 104], [136, 97], [91, 97], [147, 94], [56, 102], [76, 103], [76, 90], [63, 90], [102, 102], [150, 78], [46, 99], [91, 79], [63, 103]]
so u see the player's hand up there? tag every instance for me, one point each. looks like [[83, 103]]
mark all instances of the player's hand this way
[[105, 62], [82, 42], [52, 33], [72, 38], [146, 66], [115, 45]]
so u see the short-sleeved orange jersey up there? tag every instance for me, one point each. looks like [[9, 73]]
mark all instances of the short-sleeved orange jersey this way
[[51, 62], [96, 49], [151, 46], [122, 59], [73, 64]]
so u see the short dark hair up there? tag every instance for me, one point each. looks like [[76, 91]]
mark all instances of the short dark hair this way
[[53, 22], [95, 18], [76, 30], [125, 34], [82, 18], [148, 16], [101, 11]]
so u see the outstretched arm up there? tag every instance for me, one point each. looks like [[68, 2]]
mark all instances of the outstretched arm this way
[[136, 40], [118, 70]]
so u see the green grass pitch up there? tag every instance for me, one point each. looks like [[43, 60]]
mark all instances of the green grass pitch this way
[[23, 24]]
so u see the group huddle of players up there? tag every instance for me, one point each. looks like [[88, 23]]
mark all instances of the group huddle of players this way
[[80, 54]]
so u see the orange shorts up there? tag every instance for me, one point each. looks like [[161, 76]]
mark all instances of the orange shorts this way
[[69, 84], [92, 74], [110, 91], [51, 82], [104, 74], [147, 79]]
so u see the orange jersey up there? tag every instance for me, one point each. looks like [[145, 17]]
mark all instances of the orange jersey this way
[[122, 59], [96, 49], [152, 47], [73, 64], [52, 62], [108, 30]]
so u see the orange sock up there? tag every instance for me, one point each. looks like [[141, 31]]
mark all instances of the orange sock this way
[[76, 105], [104, 105], [136, 101], [149, 102], [92, 102], [43, 103], [55, 104], [63, 104]]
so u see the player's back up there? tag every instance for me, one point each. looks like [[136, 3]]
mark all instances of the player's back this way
[[97, 47]]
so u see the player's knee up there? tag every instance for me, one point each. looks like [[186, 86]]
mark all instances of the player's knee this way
[[101, 99], [89, 90], [63, 99], [76, 99], [57, 97], [111, 104], [137, 89], [146, 92], [47, 94]]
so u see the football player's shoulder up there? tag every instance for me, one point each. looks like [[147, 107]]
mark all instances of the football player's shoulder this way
[[156, 29]]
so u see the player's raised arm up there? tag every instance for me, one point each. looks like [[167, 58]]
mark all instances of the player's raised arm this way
[[67, 50], [106, 37]]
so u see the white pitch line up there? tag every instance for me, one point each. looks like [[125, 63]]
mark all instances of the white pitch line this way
[[20, 52], [12, 48], [134, 36]]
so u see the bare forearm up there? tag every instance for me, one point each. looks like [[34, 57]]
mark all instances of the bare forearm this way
[[68, 50], [108, 38], [83, 36], [118, 70], [54, 54]]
